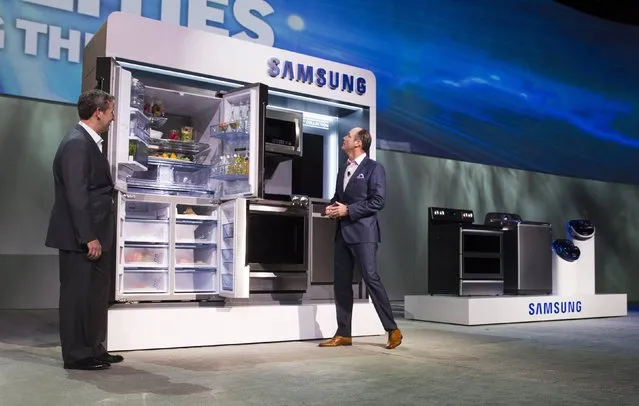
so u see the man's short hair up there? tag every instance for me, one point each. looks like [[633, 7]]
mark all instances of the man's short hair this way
[[93, 100], [365, 137]]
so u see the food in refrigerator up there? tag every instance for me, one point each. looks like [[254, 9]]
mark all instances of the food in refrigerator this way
[[136, 256]]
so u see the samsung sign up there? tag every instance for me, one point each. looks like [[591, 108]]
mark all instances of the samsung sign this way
[[316, 75], [545, 308]]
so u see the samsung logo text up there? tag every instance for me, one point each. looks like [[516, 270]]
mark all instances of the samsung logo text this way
[[319, 76], [544, 308]]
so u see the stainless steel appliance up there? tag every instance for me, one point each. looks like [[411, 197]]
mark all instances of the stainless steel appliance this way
[[527, 254], [283, 132], [464, 259], [278, 245]]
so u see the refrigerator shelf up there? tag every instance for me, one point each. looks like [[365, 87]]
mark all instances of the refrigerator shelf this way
[[163, 270], [152, 184], [130, 219], [133, 166], [193, 245], [193, 268], [144, 243], [139, 136], [176, 163], [229, 177], [194, 219], [229, 134], [179, 146]]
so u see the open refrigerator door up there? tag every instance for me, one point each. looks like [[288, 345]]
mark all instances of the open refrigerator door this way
[[233, 268]]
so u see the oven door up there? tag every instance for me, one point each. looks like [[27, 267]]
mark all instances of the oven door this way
[[481, 254], [277, 237], [278, 247], [283, 132]]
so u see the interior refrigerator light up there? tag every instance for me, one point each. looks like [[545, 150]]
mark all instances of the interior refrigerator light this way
[[181, 75], [314, 100]]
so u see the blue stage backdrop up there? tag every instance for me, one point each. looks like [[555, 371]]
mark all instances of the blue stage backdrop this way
[[527, 84]]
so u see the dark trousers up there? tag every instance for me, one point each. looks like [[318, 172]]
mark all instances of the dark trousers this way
[[365, 255], [84, 299]]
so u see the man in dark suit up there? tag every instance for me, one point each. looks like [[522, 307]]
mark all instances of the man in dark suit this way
[[82, 227], [360, 193]]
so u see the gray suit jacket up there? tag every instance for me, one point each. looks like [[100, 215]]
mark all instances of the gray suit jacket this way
[[84, 207], [365, 195]]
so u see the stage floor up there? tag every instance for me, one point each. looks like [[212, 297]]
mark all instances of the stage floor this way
[[585, 362]]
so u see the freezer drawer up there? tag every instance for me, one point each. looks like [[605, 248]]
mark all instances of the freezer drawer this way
[[194, 256], [272, 282], [195, 232], [195, 280], [145, 231], [144, 257], [144, 282]]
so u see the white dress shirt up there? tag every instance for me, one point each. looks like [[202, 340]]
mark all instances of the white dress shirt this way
[[351, 167], [98, 140]]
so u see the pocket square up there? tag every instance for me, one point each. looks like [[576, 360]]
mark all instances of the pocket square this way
[[360, 176]]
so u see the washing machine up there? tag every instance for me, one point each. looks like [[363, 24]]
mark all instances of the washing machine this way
[[527, 257], [582, 234], [565, 268]]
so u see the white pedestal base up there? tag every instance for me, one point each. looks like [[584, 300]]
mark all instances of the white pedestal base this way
[[471, 311], [147, 326]]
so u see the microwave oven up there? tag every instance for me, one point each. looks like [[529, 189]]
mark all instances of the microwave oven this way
[[283, 132]]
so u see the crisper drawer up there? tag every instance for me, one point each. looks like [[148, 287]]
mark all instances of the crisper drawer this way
[[195, 232], [195, 256], [145, 231], [144, 281], [195, 280], [144, 256]]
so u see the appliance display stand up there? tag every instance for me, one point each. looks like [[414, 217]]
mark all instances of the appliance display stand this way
[[474, 311]]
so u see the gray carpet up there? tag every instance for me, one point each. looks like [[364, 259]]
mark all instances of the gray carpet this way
[[585, 362]]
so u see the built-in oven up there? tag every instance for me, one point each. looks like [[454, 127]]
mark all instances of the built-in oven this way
[[278, 246], [283, 131]]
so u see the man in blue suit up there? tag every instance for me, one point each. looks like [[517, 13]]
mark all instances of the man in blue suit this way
[[359, 194]]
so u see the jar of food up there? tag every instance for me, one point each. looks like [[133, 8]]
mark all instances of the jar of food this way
[[187, 134]]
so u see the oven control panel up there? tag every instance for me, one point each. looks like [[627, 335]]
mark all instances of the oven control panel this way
[[448, 215]]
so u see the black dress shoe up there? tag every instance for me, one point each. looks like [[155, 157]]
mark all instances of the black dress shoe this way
[[87, 364], [110, 359]]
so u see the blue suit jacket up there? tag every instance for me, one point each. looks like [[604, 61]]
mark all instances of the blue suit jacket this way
[[365, 195]]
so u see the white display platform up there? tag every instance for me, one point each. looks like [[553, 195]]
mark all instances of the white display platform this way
[[471, 311], [148, 326]]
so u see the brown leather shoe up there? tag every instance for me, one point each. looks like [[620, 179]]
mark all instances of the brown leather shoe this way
[[394, 339], [337, 341]]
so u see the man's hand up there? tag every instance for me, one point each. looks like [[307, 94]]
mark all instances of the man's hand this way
[[95, 250], [336, 210]]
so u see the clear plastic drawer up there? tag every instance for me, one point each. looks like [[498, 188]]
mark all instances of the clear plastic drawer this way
[[187, 232], [145, 257], [146, 210], [145, 231], [144, 282], [195, 281], [191, 256]]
